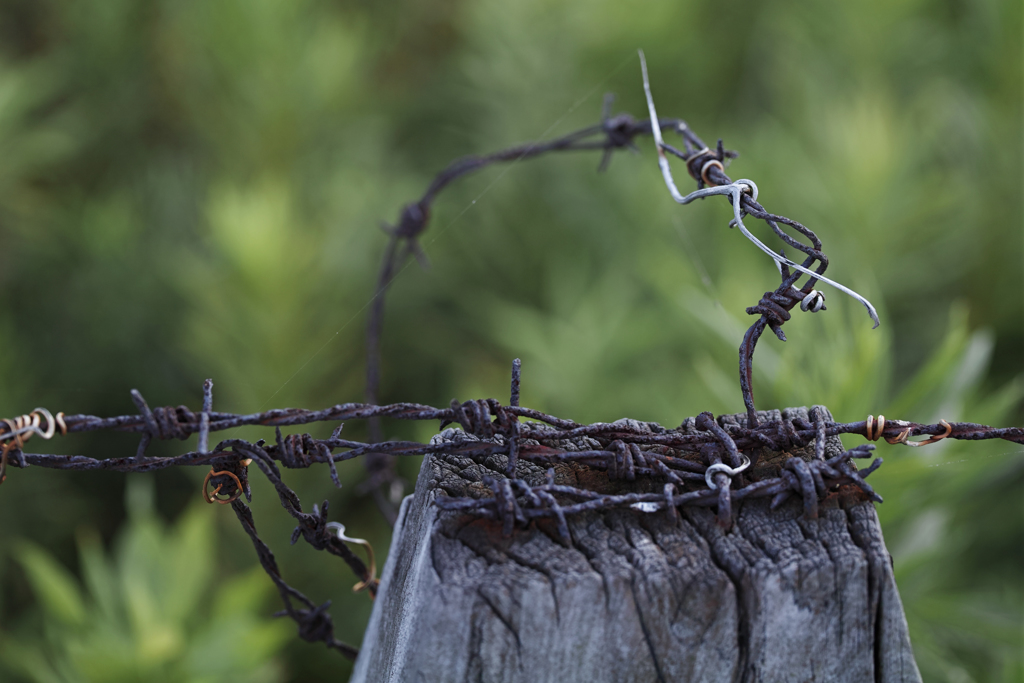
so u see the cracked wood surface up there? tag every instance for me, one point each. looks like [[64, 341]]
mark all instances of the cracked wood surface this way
[[640, 596]]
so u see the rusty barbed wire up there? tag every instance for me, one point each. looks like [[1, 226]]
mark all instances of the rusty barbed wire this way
[[704, 462]]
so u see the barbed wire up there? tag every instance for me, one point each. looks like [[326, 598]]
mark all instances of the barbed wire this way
[[704, 462], [701, 463], [705, 166]]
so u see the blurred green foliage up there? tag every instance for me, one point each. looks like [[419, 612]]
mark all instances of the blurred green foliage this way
[[192, 189], [154, 612]]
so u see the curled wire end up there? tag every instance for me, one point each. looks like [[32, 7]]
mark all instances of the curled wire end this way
[[51, 424], [22, 428], [211, 497], [902, 438], [813, 302], [370, 581], [725, 469], [899, 438]]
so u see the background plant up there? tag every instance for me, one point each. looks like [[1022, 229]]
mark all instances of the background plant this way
[[191, 189], [155, 611]]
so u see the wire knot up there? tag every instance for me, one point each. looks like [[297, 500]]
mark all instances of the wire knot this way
[[315, 625], [807, 479], [625, 461], [619, 131], [774, 308], [297, 450], [707, 166], [787, 437], [412, 222], [173, 423], [475, 417], [505, 504]]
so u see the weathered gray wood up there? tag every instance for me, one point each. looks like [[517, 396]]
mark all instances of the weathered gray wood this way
[[639, 596]]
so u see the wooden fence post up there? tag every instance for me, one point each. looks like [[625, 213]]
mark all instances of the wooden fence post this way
[[639, 596]]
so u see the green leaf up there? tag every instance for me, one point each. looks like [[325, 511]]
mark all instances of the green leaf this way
[[188, 562], [52, 584], [28, 660], [98, 574]]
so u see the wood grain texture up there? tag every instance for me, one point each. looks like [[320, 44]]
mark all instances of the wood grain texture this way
[[640, 596]]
